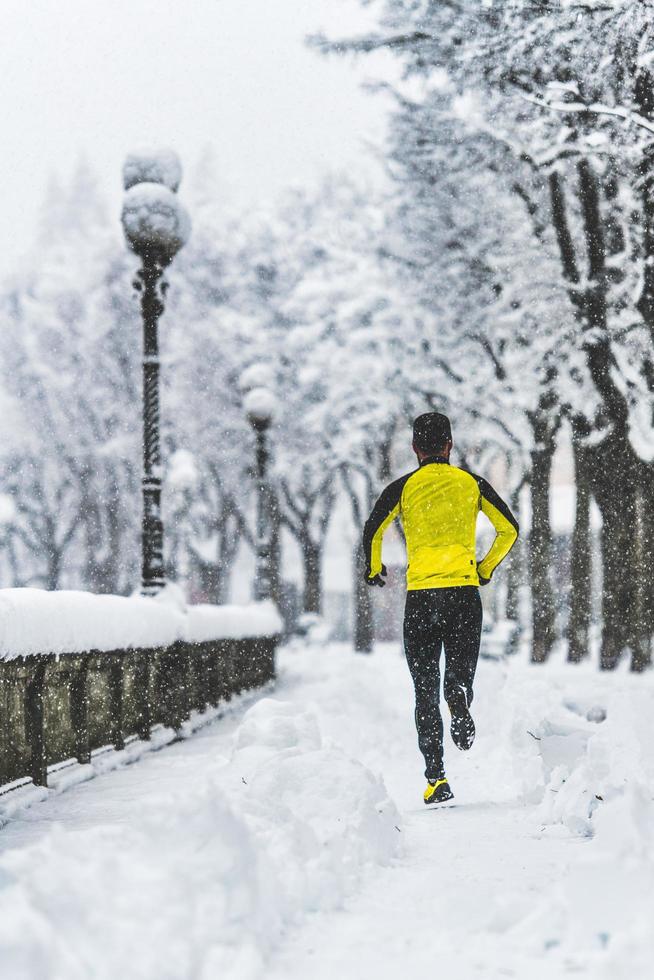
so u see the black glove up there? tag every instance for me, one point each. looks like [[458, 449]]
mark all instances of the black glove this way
[[377, 580], [482, 580]]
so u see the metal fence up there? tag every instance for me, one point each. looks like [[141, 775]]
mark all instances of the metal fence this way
[[54, 708]]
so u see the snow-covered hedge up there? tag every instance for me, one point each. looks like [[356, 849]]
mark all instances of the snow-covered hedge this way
[[34, 622]]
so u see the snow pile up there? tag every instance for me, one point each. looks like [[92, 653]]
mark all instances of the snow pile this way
[[572, 752], [606, 902], [204, 622], [576, 746], [327, 814], [597, 922], [206, 882], [34, 622], [618, 885]]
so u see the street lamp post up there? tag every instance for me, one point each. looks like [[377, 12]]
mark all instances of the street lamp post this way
[[156, 226], [259, 406]]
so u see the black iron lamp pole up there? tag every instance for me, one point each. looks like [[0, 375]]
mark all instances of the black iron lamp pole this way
[[156, 226], [152, 286], [260, 406], [262, 578]]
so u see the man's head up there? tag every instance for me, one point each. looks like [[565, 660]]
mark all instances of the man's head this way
[[432, 435]]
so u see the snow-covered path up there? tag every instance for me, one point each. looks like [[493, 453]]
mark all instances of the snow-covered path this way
[[466, 872], [289, 839]]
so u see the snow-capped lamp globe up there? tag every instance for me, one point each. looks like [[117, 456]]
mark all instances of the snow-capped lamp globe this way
[[156, 227], [156, 224], [260, 407]]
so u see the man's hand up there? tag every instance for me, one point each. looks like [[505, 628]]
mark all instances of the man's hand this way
[[378, 579]]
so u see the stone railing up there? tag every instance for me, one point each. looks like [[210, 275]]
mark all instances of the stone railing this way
[[63, 704]]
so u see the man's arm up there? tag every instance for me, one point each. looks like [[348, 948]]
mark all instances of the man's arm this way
[[383, 513], [506, 530]]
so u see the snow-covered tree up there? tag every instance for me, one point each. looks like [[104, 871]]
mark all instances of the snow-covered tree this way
[[69, 372], [555, 99]]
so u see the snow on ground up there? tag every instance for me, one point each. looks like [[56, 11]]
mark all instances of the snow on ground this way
[[289, 839]]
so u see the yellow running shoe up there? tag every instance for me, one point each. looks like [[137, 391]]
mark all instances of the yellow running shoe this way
[[438, 791]]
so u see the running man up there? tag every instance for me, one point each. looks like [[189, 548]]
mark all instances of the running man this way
[[438, 506]]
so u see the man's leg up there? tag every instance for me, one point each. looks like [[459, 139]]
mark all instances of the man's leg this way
[[461, 637], [422, 646]]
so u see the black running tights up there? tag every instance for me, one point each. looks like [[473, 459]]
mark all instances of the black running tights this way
[[433, 619]]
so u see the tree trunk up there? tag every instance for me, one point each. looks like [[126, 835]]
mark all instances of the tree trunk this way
[[621, 485], [275, 551], [53, 567], [641, 657], [514, 571], [540, 539], [210, 583], [580, 558], [616, 573], [646, 579], [641, 653], [362, 601], [311, 559], [614, 472]]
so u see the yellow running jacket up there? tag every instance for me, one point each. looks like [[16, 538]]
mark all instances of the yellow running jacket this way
[[438, 506]]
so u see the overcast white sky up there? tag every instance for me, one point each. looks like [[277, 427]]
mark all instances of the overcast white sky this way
[[94, 78]]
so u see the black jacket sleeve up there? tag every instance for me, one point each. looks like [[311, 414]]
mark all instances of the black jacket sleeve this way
[[505, 524], [383, 513]]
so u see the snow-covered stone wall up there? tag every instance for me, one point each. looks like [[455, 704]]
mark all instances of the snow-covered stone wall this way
[[34, 622], [80, 672]]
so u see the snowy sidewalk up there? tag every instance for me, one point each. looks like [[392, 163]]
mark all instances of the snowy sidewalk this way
[[290, 840]]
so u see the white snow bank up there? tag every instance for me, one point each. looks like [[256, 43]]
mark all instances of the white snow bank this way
[[205, 883], [571, 753], [575, 744], [205, 622], [35, 622]]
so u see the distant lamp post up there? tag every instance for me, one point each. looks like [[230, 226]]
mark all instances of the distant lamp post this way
[[260, 405], [156, 226]]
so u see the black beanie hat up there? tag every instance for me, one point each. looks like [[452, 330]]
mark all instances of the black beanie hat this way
[[431, 431]]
